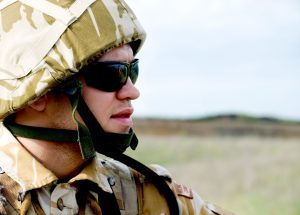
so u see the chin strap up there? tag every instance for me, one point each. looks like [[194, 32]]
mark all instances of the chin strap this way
[[91, 138], [69, 136]]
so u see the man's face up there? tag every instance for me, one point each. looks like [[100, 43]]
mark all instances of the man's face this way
[[113, 110]]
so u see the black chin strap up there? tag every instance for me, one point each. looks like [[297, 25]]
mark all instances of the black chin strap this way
[[105, 142], [158, 181], [91, 134]]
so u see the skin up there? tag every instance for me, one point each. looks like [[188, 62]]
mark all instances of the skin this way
[[113, 111]]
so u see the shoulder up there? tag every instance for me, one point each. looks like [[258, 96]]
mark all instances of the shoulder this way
[[189, 201]]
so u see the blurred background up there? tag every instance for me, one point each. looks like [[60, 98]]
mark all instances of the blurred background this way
[[219, 103]]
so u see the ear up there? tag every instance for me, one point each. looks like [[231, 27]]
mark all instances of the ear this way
[[40, 104]]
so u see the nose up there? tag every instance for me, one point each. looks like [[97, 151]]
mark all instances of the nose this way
[[128, 91]]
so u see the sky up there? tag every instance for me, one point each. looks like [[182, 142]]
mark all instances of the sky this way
[[206, 57]]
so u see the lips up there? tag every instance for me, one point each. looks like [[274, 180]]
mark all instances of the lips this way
[[126, 113]]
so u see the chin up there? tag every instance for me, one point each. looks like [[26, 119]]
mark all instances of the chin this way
[[118, 129], [119, 125], [122, 131]]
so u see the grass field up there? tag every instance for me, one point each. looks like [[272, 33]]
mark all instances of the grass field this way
[[249, 175]]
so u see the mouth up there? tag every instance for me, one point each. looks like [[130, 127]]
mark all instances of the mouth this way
[[125, 114], [123, 120]]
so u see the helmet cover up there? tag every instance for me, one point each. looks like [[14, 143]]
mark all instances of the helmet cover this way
[[43, 42]]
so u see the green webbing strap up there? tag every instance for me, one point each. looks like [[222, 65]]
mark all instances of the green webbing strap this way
[[48, 134], [81, 136], [84, 137]]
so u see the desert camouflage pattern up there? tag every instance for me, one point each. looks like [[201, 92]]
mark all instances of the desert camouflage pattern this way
[[134, 194], [43, 42]]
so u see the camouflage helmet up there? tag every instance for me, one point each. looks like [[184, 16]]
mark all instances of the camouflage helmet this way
[[43, 42]]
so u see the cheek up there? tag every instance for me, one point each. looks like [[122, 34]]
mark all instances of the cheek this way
[[63, 117], [100, 103]]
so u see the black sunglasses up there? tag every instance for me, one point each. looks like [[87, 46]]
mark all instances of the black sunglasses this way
[[110, 76]]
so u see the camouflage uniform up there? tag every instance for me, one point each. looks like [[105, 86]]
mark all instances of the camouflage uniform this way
[[42, 43], [135, 195]]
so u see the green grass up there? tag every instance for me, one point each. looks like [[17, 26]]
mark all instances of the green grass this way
[[248, 175]]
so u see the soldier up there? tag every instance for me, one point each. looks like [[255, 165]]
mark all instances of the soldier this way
[[67, 74]]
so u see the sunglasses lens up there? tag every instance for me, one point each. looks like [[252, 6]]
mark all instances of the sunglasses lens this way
[[134, 72], [109, 76], [105, 77]]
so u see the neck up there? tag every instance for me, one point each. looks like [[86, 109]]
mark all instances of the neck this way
[[64, 161]]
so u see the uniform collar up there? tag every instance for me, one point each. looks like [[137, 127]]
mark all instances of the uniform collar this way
[[22, 167]]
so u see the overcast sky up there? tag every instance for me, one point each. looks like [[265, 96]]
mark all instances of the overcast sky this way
[[205, 57]]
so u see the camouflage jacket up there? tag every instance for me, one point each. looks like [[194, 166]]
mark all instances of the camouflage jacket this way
[[38, 191]]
